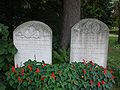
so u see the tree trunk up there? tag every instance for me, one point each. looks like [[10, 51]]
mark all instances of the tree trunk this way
[[119, 22], [71, 15]]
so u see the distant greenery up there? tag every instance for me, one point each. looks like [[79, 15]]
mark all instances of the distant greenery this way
[[50, 12], [114, 59], [114, 50], [114, 30], [100, 9]]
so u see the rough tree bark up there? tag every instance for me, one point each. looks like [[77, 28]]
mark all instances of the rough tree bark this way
[[71, 15]]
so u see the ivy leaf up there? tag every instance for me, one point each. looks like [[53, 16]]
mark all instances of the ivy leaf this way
[[56, 88], [1, 59], [19, 87], [82, 89], [69, 86], [3, 43], [113, 81], [2, 51], [93, 78], [2, 64], [11, 82], [25, 83], [64, 83], [5, 33], [2, 86], [29, 88], [74, 88], [107, 87], [49, 82], [9, 57], [12, 50], [76, 82], [109, 75]]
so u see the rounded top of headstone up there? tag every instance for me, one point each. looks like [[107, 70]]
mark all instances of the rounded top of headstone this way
[[90, 26], [33, 25]]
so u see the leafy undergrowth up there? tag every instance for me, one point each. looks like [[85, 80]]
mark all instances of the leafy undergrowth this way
[[114, 60], [76, 76], [116, 88], [114, 52]]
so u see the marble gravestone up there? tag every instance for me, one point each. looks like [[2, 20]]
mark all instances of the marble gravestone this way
[[33, 39], [89, 41]]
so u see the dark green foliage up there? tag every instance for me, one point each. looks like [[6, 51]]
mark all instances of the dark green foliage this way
[[116, 70], [117, 74], [114, 58], [113, 53], [76, 76], [15, 12], [7, 49], [61, 56], [115, 15], [100, 9], [113, 32], [2, 86]]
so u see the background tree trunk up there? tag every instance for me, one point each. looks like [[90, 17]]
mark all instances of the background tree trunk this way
[[71, 15]]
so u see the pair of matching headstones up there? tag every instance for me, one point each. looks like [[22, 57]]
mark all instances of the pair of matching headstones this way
[[89, 41]]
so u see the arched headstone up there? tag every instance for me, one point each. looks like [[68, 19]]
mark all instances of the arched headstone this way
[[89, 41], [33, 39]]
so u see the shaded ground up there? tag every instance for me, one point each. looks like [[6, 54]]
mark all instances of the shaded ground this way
[[114, 54]]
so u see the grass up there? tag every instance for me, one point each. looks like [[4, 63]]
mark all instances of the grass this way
[[114, 52], [116, 88], [114, 55]]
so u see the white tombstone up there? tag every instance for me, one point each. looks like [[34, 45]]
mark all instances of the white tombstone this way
[[89, 41], [33, 39]]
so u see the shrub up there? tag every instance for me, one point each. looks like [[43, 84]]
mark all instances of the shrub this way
[[114, 32], [7, 49], [116, 72], [76, 76], [60, 56]]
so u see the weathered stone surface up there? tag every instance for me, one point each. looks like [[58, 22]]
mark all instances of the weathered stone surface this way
[[33, 40], [89, 41]]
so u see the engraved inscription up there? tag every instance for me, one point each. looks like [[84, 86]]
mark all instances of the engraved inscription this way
[[33, 40], [89, 40]]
